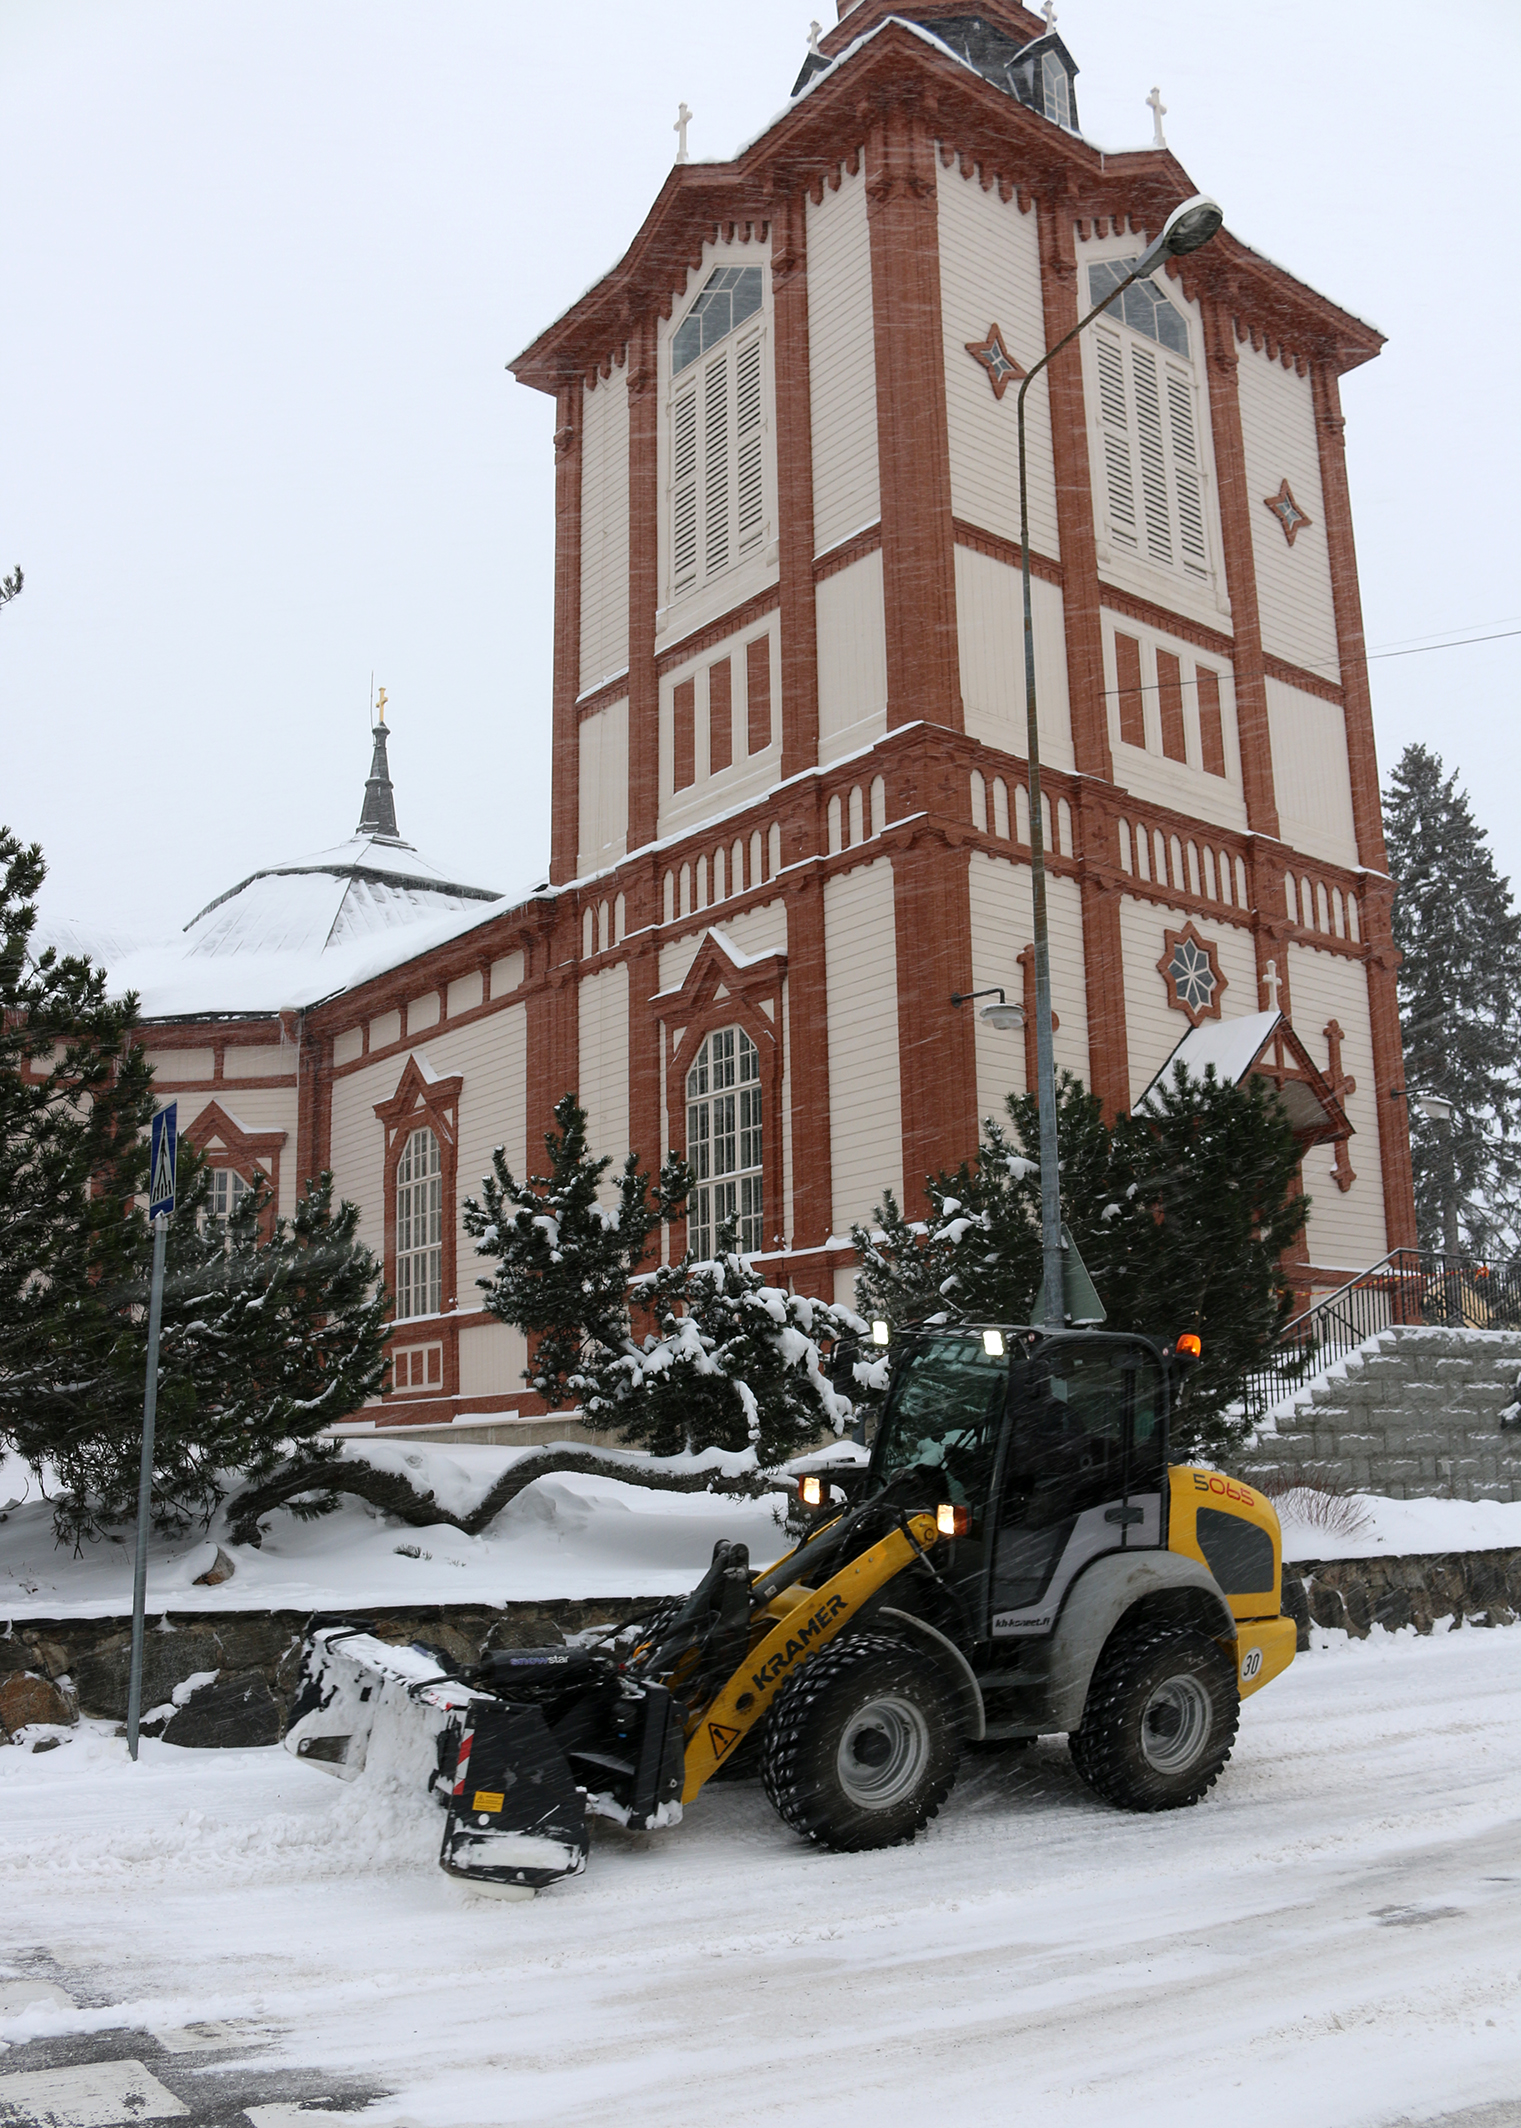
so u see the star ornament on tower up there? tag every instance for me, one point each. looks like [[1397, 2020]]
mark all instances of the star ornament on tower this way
[[995, 358], [1287, 511], [1191, 970]]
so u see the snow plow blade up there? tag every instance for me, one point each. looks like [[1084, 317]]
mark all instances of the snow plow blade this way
[[519, 1747]]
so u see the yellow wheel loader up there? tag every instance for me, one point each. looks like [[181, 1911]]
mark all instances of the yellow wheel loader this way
[[1017, 1559]]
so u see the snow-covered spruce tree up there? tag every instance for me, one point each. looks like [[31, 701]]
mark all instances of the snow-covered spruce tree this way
[[1179, 1214], [564, 1260], [270, 1333], [976, 1257], [1460, 1007], [1206, 1199], [732, 1362], [263, 1342]]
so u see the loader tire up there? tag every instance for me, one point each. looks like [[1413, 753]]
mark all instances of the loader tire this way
[[861, 1746], [1160, 1719]]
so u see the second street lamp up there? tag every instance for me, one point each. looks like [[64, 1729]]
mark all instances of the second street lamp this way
[[1185, 229]]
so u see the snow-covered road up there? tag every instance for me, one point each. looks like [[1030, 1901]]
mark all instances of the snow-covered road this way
[[1332, 1939]]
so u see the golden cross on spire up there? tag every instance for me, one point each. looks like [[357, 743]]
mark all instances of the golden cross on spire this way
[[381, 706]]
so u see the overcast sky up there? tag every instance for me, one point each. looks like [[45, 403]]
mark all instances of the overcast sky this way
[[263, 266]]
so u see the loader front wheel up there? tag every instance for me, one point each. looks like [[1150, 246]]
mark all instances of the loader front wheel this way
[[861, 1747], [1160, 1719]]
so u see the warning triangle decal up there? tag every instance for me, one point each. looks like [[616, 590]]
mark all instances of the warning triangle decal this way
[[161, 1187], [721, 1738]]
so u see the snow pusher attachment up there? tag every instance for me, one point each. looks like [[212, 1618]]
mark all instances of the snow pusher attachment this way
[[1020, 1560], [519, 1747]]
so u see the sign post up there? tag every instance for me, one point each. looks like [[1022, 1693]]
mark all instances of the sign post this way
[[162, 1166]]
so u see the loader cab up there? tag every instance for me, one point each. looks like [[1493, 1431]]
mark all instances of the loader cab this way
[[1054, 1442]]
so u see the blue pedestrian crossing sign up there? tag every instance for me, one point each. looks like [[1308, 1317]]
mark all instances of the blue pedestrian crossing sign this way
[[165, 1144]]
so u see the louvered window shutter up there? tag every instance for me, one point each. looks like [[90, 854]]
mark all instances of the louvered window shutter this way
[[718, 498], [684, 491], [1153, 483], [747, 407]]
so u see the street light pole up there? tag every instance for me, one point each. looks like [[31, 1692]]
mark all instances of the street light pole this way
[[1185, 229]]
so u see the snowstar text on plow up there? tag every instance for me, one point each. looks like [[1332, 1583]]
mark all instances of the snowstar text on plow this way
[[1018, 1559]]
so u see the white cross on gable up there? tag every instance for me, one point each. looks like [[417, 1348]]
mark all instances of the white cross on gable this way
[[1158, 113], [1049, 11], [1270, 983], [683, 120]]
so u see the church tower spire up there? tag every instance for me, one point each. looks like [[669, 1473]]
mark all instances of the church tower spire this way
[[379, 814]]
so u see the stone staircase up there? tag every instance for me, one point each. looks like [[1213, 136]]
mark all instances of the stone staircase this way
[[1412, 1411]]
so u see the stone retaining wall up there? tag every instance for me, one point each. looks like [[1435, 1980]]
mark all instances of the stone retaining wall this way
[[1410, 1413], [53, 1669]]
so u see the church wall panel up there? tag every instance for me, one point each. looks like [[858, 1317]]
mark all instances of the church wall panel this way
[[603, 785], [348, 1045], [1003, 924], [1293, 582], [492, 1357], [757, 931], [604, 1046], [990, 627], [1182, 787], [852, 659], [177, 1065], [604, 531], [841, 365], [990, 275], [266, 1061], [865, 1116], [465, 993], [748, 775], [1346, 1228], [1311, 775]]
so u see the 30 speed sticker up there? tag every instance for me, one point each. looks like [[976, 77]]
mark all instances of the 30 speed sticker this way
[[1251, 1663]]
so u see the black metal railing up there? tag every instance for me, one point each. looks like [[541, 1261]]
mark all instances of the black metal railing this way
[[1410, 1286]]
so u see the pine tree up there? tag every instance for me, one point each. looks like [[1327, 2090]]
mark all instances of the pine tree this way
[[264, 1341], [1460, 1008], [732, 1363], [564, 1260], [1180, 1214], [977, 1257]]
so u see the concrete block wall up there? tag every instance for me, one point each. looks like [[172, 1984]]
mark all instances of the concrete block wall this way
[[1411, 1412]]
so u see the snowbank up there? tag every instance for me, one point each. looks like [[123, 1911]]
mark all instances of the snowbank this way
[[568, 1535], [1397, 1528]]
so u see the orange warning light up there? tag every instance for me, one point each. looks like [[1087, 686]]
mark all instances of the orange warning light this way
[[1189, 1346]]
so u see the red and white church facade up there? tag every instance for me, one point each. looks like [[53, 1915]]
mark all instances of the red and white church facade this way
[[790, 816]]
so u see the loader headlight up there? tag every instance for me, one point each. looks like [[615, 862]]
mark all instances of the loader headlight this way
[[811, 1491], [992, 1344], [880, 1334], [952, 1521]]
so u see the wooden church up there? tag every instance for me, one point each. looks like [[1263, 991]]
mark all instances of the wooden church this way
[[791, 820]]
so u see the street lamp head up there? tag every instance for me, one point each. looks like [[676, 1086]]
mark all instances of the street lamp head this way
[[1006, 1018], [1185, 229], [1434, 1107]]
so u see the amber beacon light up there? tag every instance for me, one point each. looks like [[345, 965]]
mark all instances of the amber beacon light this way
[[1189, 1346]]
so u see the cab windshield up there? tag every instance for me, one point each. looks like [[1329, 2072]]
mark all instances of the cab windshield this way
[[943, 1417]]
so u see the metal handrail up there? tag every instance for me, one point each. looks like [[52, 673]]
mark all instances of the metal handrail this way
[[1406, 1287]]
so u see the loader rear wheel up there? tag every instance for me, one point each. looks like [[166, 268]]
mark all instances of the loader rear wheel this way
[[861, 1747], [1160, 1719]]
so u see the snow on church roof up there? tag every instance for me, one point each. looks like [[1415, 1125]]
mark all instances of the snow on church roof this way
[[290, 934]]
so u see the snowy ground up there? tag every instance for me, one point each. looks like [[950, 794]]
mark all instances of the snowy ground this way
[[1332, 1940], [570, 1535]]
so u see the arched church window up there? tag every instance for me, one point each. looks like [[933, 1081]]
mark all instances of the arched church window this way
[[724, 1142], [1149, 423], [717, 428], [419, 1227]]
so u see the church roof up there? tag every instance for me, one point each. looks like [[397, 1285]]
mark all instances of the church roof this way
[[1265, 1044], [292, 933]]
